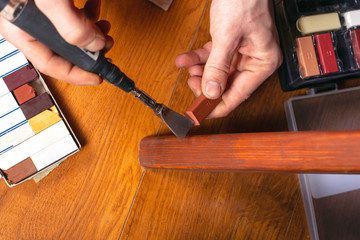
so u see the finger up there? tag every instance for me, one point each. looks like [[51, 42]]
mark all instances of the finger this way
[[196, 70], [72, 25], [45, 60], [217, 69], [244, 84], [104, 26], [195, 85], [92, 9], [109, 44], [196, 57]]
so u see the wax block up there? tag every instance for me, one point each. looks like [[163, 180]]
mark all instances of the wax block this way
[[352, 18], [7, 104], [11, 120], [36, 105], [326, 53], [201, 108], [44, 120], [318, 23], [24, 93], [33, 145], [20, 171], [20, 77], [53, 153], [6, 49], [16, 136], [308, 64], [164, 4], [355, 43], [12, 63], [3, 88]]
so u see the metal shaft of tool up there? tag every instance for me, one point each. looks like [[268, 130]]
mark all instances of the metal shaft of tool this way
[[177, 123], [147, 100]]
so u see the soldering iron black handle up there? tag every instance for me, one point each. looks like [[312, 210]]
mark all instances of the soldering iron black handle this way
[[35, 23]]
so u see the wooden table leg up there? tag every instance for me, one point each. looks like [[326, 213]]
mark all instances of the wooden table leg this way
[[312, 151]]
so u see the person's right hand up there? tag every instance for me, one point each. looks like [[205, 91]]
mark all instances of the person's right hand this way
[[76, 26], [243, 53]]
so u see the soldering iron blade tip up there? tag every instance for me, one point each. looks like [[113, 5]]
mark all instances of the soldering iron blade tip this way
[[176, 122]]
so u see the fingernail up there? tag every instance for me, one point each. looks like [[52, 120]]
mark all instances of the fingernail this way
[[213, 89], [196, 92]]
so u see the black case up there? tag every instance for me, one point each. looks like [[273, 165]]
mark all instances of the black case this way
[[287, 12]]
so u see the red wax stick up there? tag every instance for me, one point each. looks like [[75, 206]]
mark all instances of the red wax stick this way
[[201, 108], [325, 49], [355, 42]]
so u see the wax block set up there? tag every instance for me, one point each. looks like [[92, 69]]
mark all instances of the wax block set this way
[[320, 41], [34, 135]]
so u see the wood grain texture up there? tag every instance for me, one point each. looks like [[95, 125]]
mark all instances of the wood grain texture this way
[[89, 195], [301, 152], [215, 205], [199, 205]]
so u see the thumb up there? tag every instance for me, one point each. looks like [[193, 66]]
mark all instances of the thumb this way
[[216, 71]]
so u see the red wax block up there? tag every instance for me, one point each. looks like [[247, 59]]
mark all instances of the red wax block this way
[[201, 108], [355, 42], [325, 49], [24, 93], [20, 77]]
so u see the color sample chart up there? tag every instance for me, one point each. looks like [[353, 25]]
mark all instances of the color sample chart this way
[[33, 134]]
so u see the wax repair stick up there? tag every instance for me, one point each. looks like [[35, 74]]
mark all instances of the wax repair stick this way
[[308, 63], [352, 18], [318, 23]]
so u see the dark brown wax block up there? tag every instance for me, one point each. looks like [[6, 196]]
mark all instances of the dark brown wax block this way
[[20, 171], [20, 77], [201, 108], [36, 105], [24, 93]]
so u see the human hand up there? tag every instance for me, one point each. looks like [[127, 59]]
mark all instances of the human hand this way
[[76, 26], [243, 53]]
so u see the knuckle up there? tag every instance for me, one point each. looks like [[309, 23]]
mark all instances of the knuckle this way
[[76, 36]]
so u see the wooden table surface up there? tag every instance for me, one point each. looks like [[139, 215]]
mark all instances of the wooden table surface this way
[[103, 193]]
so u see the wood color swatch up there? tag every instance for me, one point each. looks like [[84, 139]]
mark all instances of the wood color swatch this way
[[24, 93], [37, 105], [355, 43], [325, 50], [43, 120], [102, 192], [318, 23], [23, 75], [20, 171], [352, 18], [201, 108], [305, 51]]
